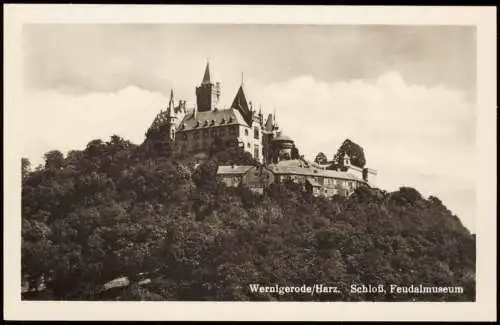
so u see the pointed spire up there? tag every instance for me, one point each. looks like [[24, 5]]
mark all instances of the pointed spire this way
[[242, 78], [170, 108], [206, 76]]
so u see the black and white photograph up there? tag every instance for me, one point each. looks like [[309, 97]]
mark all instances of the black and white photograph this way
[[183, 161]]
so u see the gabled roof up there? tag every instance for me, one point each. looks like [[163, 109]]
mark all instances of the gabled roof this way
[[208, 119], [233, 169]]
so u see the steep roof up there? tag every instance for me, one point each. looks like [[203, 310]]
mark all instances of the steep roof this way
[[233, 169], [206, 76], [269, 123], [211, 119], [240, 103], [170, 107]]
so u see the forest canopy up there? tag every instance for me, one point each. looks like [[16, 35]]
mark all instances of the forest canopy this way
[[116, 209]]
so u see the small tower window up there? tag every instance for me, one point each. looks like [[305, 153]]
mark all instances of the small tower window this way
[[246, 132]]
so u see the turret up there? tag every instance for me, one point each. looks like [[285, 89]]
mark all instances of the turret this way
[[282, 145]]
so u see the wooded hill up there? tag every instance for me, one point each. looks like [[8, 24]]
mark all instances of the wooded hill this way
[[117, 209]]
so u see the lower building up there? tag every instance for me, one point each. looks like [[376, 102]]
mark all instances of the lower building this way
[[320, 182], [255, 178], [317, 181]]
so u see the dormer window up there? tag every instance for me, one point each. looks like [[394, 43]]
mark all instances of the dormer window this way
[[222, 121], [212, 122]]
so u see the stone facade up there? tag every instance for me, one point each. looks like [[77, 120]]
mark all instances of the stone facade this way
[[207, 125]]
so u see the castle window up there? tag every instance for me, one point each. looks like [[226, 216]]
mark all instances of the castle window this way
[[213, 131], [222, 131], [196, 134], [248, 145], [205, 133], [234, 130], [246, 132], [256, 133]]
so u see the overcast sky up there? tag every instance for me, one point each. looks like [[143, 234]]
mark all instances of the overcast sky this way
[[405, 94]]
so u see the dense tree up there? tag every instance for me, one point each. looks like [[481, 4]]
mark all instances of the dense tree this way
[[119, 210], [54, 159], [25, 167], [355, 152], [321, 158]]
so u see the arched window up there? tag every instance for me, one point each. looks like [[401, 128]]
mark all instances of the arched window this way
[[246, 132]]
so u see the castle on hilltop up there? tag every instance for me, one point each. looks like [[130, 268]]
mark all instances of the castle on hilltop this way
[[207, 125], [198, 129]]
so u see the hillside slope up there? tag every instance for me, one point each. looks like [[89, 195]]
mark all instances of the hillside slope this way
[[117, 209]]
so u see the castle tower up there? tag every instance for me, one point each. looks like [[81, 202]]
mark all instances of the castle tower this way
[[208, 93], [171, 117]]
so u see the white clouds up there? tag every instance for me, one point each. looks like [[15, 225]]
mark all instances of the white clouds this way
[[64, 122], [415, 136]]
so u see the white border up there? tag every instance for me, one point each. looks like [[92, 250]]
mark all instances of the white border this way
[[484, 18]]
